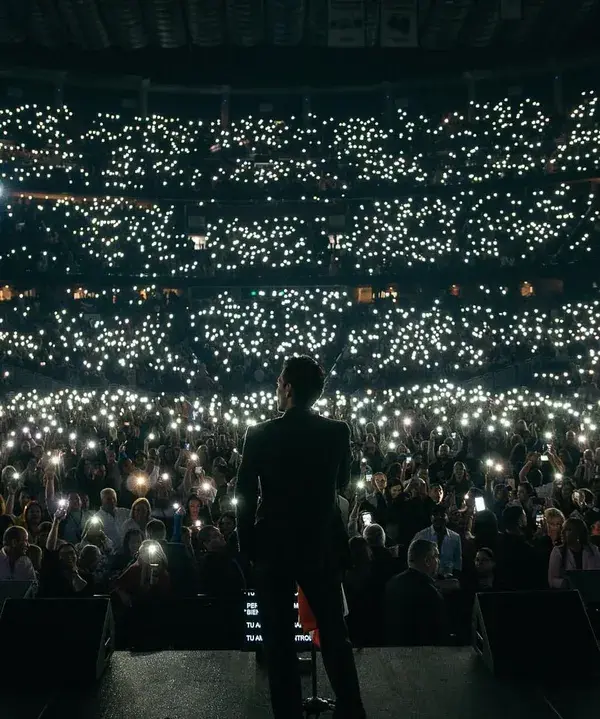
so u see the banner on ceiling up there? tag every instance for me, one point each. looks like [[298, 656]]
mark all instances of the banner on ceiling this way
[[346, 23], [399, 23]]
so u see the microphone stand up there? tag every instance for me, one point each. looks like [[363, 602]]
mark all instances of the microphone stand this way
[[315, 705]]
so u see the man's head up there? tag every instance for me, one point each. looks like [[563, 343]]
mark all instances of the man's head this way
[[396, 490], [439, 518], [485, 562], [227, 523], [374, 535], [424, 556], [90, 558], [67, 556], [108, 499], [211, 539], [156, 530], [74, 502], [436, 493], [300, 383], [379, 482], [15, 541], [444, 451], [416, 488]]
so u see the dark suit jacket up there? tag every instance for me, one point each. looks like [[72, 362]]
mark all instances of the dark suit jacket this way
[[415, 614], [291, 471]]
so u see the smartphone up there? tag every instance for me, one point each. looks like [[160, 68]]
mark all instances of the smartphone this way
[[367, 518], [539, 518], [479, 504], [368, 477], [544, 458]]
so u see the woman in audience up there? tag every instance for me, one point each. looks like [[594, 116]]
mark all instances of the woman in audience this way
[[139, 516], [93, 533], [549, 534], [562, 496], [31, 519], [575, 553], [197, 514], [147, 579], [127, 553], [59, 574], [458, 484], [91, 569]]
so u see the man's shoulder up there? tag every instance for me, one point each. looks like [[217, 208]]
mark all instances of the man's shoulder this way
[[454, 535], [423, 533], [261, 427], [407, 578], [334, 425], [277, 423]]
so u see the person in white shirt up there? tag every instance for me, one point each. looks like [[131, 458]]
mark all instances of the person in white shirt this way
[[113, 517], [447, 541], [14, 562]]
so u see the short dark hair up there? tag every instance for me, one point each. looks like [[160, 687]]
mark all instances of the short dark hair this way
[[306, 377], [439, 510]]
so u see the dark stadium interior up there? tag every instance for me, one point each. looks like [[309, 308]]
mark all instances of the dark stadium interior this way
[[194, 196]]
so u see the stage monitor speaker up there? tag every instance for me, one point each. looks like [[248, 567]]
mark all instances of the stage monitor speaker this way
[[587, 583], [522, 633], [10, 589], [78, 635]]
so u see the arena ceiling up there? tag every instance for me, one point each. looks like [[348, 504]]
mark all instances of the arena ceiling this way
[[55, 29]]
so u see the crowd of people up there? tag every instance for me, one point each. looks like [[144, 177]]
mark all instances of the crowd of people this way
[[74, 235], [122, 480], [134, 495], [231, 344], [79, 195], [315, 154]]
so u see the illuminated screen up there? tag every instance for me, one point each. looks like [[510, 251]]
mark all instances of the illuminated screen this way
[[253, 631]]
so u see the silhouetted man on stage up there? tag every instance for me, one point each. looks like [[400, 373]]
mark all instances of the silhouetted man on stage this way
[[294, 534]]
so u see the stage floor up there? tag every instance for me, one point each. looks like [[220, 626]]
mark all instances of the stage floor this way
[[419, 683]]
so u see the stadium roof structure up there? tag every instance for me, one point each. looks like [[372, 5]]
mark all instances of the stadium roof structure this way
[[208, 37]]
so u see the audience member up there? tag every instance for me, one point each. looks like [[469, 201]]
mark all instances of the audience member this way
[[414, 612]]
